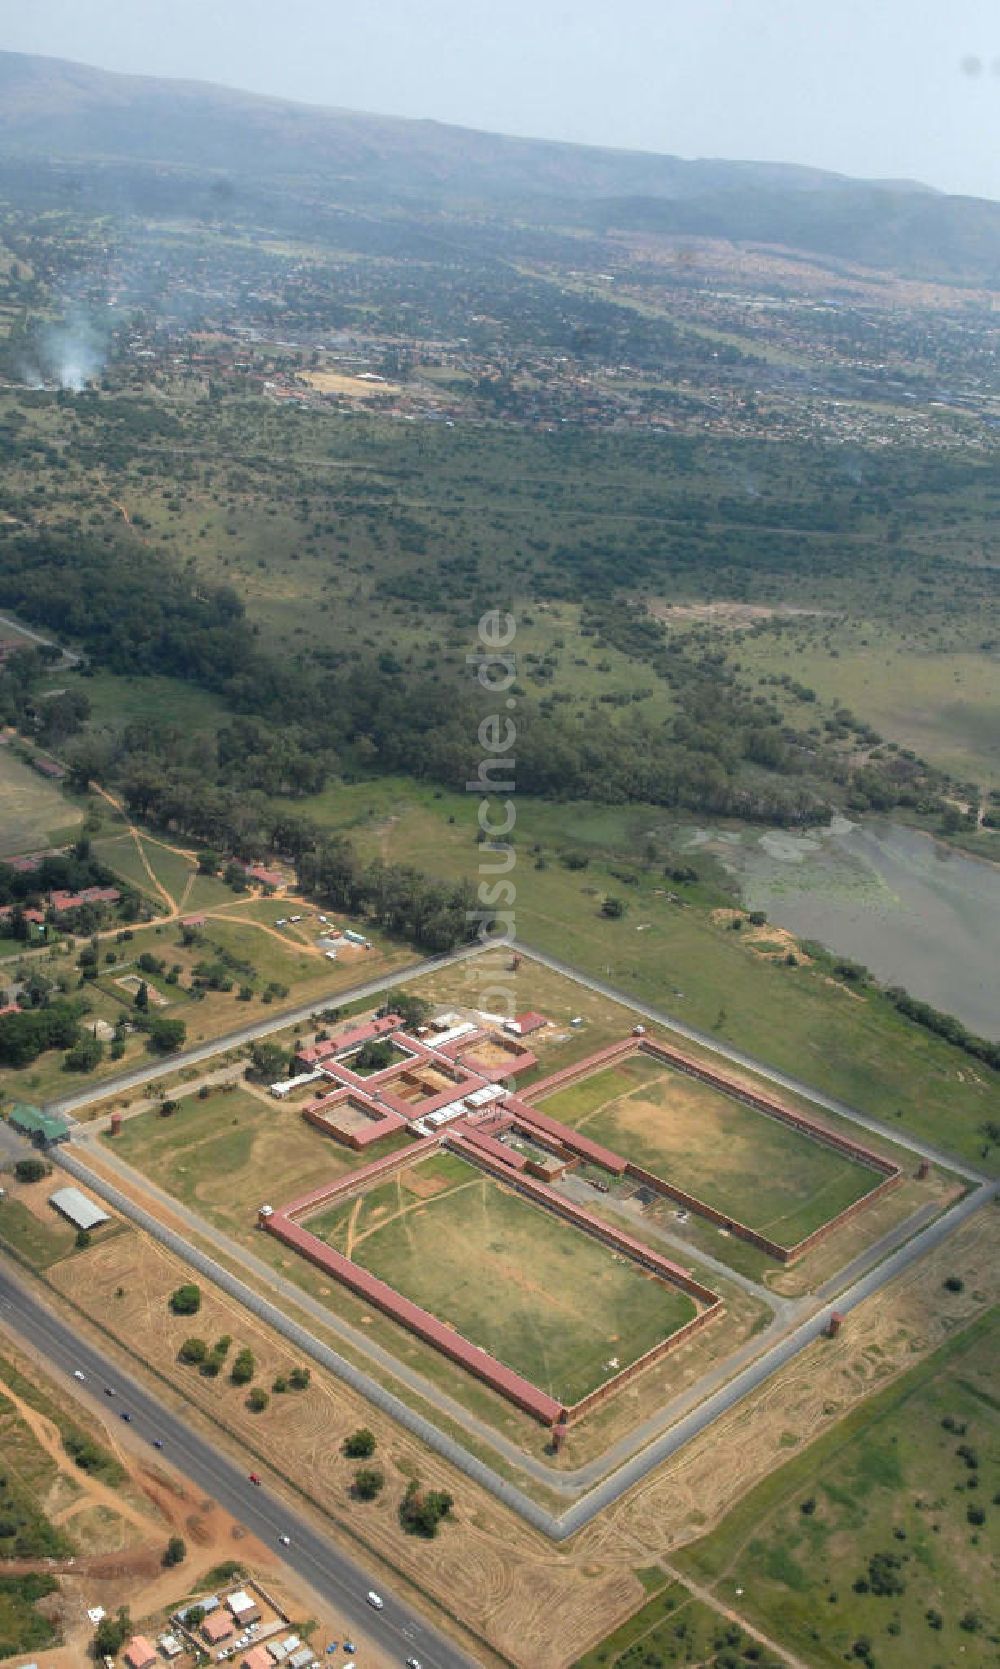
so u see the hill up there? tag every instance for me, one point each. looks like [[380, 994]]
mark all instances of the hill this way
[[69, 112]]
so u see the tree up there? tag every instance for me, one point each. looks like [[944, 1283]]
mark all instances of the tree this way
[[258, 1400], [112, 1632], [613, 907], [421, 1511], [298, 1379], [164, 1035], [85, 1054], [954, 1283], [176, 1551], [268, 1062], [82, 1239], [193, 1350], [369, 1481], [374, 1055], [244, 1367], [141, 998], [360, 1445], [186, 1300], [31, 1170]]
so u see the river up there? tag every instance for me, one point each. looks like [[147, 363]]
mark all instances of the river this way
[[917, 913]]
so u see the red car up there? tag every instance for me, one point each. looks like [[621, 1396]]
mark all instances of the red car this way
[[254, 1479]]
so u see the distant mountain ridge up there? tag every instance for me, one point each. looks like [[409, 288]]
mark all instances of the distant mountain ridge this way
[[56, 109]]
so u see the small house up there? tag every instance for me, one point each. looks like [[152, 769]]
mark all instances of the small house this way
[[140, 1653]]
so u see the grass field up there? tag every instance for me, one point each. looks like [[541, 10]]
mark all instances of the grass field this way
[[741, 1162], [889, 1480], [33, 809], [546, 1300], [672, 1628], [228, 1154]]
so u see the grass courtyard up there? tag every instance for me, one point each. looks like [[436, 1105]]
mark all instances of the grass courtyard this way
[[741, 1162], [540, 1296], [224, 1156]]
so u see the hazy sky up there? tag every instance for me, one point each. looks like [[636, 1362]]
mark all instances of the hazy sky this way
[[888, 88]]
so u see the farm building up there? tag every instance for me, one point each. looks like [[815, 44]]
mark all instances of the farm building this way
[[82, 1213], [44, 1129]]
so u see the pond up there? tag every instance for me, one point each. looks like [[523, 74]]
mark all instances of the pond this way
[[917, 913]]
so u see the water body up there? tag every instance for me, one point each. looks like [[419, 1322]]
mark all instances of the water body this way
[[917, 913]]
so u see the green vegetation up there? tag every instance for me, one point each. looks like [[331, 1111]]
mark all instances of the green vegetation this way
[[752, 1167], [360, 1444], [23, 1628], [673, 1628], [422, 1511], [536, 1293], [369, 1482], [874, 1533], [186, 1300]]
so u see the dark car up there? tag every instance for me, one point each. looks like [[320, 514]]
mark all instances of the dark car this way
[[125, 1415]]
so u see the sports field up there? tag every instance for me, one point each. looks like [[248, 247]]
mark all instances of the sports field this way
[[741, 1162], [540, 1296]]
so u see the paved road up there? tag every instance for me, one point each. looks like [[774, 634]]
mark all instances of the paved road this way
[[659, 1017], [150, 1070], [398, 1630]]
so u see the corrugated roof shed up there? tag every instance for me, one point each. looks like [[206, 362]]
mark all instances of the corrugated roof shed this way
[[82, 1213]]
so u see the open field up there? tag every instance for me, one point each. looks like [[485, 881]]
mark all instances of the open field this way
[[34, 810], [226, 1155], [891, 1480], [740, 1161], [942, 700], [537, 1294]]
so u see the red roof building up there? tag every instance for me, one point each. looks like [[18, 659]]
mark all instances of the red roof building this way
[[64, 901], [529, 1022], [218, 1626], [140, 1653]]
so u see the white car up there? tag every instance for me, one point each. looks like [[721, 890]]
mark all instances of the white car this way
[[286, 1541], [77, 1374], [413, 1663], [375, 1599]]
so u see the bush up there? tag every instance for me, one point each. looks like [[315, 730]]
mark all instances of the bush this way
[[243, 1368], [421, 1511], [298, 1379], [193, 1350], [258, 1400], [369, 1481], [954, 1283], [31, 1170], [176, 1551], [186, 1300], [360, 1445]]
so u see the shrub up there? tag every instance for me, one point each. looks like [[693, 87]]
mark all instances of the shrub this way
[[243, 1368], [193, 1350], [360, 1445], [298, 1379], [175, 1551], [369, 1481], [258, 1400], [186, 1300], [954, 1283], [31, 1170], [421, 1511]]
